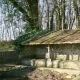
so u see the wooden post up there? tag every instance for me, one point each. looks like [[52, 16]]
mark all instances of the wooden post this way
[[48, 53], [48, 57]]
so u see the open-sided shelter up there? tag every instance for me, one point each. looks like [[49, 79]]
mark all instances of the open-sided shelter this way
[[63, 45]]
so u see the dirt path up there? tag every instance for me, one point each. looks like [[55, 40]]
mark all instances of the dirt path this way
[[30, 73]]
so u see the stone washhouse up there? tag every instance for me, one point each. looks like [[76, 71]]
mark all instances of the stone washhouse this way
[[57, 49]]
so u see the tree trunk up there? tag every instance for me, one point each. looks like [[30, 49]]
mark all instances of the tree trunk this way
[[31, 14]]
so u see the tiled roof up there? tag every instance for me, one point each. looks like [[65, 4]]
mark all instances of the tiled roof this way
[[55, 37]]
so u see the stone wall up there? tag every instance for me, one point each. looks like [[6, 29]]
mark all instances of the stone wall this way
[[28, 51], [58, 51], [8, 57], [34, 51], [66, 51]]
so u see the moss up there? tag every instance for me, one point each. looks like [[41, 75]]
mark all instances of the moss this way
[[74, 76]]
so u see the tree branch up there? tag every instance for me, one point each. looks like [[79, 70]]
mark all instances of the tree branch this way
[[16, 5]]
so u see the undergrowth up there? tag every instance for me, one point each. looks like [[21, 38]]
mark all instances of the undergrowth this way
[[30, 35]]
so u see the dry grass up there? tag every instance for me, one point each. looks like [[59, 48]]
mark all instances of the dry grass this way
[[6, 45]]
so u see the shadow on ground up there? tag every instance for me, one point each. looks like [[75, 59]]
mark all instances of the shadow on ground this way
[[15, 72]]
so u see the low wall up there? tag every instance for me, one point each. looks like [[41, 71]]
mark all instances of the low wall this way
[[68, 64], [8, 57]]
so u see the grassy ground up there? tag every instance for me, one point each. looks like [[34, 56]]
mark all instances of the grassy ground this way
[[6, 45]]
